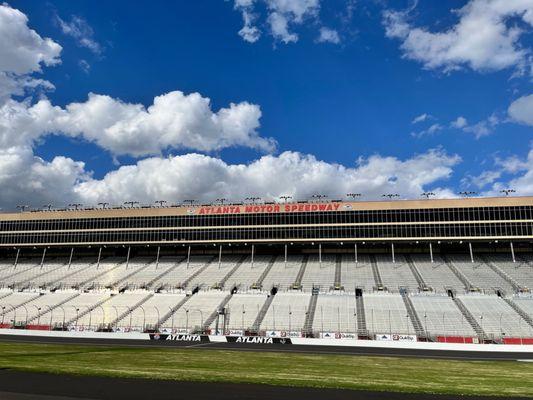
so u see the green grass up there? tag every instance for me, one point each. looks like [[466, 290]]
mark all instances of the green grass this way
[[498, 378]]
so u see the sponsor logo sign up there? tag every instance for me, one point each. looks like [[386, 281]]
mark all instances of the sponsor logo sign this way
[[258, 340], [235, 332], [179, 337], [268, 208], [396, 337]]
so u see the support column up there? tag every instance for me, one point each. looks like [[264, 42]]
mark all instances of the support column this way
[[285, 256], [393, 257], [355, 253], [157, 257], [219, 256], [512, 252], [431, 252], [320, 255], [16, 259], [128, 258], [99, 256], [42, 258], [471, 252], [253, 248], [188, 257], [70, 258]]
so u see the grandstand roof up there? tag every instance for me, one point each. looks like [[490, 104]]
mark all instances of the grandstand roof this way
[[270, 208]]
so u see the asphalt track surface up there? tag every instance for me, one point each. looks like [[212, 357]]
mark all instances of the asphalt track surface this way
[[16, 385], [291, 348]]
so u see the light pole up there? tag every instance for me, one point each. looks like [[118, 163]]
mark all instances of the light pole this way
[[22, 207], [75, 205], [319, 196], [189, 202], [221, 200], [48, 206], [353, 195], [144, 318], [390, 196], [285, 198], [252, 199], [507, 192], [131, 203], [427, 195], [103, 205], [467, 194], [160, 202]]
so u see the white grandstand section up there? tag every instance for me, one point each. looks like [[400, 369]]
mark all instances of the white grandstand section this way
[[287, 312], [180, 274], [84, 303], [86, 277], [151, 271], [13, 273], [319, 274], [437, 275], [283, 274], [215, 272], [149, 313], [242, 310], [495, 316], [27, 311], [480, 274], [520, 271], [440, 316], [396, 275], [111, 309], [9, 306], [195, 312], [386, 314], [525, 303], [335, 313], [357, 274], [248, 274]]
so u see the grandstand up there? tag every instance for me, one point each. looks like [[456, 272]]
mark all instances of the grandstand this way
[[436, 270]]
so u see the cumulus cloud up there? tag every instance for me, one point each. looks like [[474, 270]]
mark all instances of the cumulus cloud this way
[[22, 53], [81, 31], [521, 110], [521, 175], [174, 120], [433, 129], [480, 129], [328, 35], [206, 178], [486, 37], [421, 118], [281, 16]]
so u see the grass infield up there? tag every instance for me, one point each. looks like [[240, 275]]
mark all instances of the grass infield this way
[[413, 375]]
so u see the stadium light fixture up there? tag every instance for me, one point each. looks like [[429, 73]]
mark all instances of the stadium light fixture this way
[[427, 195], [103, 204], [48, 207], [221, 200], [467, 194], [190, 202], [285, 198], [160, 202], [252, 199], [75, 205], [390, 196], [131, 203], [507, 192], [22, 207], [319, 197], [353, 195]]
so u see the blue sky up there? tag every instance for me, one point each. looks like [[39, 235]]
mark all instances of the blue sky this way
[[335, 101]]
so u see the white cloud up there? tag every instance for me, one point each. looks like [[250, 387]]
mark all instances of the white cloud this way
[[521, 110], [22, 53], [479, 129], [487, 37], [205, 178], [433, 129], [174, 120], [421, 118], [81, 31], [328, 35], [482, 180], [84, 66], [281, 16], [522, 172], [459, 123]]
